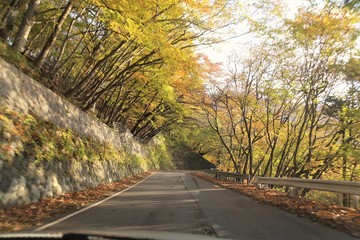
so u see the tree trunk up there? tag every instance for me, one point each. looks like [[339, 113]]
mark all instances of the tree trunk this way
[[55, 68], [25, 26], [29, 46], [7, 20], [53, 36], [345, 197], [92, 72]]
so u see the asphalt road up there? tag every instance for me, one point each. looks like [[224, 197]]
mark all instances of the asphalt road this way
[[180, 202]]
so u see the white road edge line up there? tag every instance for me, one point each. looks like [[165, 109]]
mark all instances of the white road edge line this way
[[89, 207]]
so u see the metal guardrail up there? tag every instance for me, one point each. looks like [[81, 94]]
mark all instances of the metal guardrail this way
[[346, 187], [236, 176], [352, 188]]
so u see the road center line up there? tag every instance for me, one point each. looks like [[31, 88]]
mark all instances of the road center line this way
[[89, 207]]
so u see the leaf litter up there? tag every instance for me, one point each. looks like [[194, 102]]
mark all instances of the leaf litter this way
[[342, 218], [20, 217]]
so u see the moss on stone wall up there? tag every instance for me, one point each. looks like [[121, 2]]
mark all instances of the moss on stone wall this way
[[40, 160], [159, 154], [24, 135]]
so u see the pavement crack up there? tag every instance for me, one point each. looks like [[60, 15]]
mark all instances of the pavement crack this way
[[207, 229], [179, 178], [195, 181]]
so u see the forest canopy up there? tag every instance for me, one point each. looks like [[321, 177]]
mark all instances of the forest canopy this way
[[285, 104], [288, 105], [132, 63]]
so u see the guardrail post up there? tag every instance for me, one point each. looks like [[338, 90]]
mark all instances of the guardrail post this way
[[263, 185], [293, 191], [355, 201]]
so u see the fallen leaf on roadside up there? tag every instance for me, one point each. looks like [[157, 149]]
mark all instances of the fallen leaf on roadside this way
[[341, 218], [17, 218]]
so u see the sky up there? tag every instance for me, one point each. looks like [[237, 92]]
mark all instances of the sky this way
[[219, 53]]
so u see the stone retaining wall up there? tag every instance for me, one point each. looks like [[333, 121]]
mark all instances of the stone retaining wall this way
[[19, 92], [23, 180]]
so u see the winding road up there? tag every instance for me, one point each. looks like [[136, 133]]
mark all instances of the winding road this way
[[180, 202]]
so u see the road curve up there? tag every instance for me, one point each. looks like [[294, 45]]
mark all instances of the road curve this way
[[180, 202]]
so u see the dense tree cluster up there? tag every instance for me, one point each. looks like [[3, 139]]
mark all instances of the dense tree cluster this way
[[130, 62], [290, 107]]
